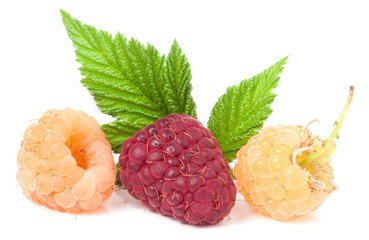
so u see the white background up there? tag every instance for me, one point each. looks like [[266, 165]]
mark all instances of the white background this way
[[225, 42]]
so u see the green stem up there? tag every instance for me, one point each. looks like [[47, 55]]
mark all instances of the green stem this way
[[334, 134], [232, 172], [117, 178]]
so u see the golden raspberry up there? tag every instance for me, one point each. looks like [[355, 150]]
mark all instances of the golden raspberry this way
[[65, 162], [270, 178], [285, 171]]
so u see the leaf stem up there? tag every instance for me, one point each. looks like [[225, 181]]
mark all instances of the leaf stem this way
[[334, 134], [118, 182]]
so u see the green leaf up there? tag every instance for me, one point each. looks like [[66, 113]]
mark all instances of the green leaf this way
[[240, 112], [177, 86], [129, 81], [121, 129]]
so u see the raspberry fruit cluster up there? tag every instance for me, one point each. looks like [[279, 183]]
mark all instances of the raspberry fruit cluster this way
[[285, 171], [65, 162], [175, 167], [270, 179]]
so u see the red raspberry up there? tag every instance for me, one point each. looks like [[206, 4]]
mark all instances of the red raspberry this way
[[175, 167]]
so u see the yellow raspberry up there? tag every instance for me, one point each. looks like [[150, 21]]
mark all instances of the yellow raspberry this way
[[285, 171], [65, 162]]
